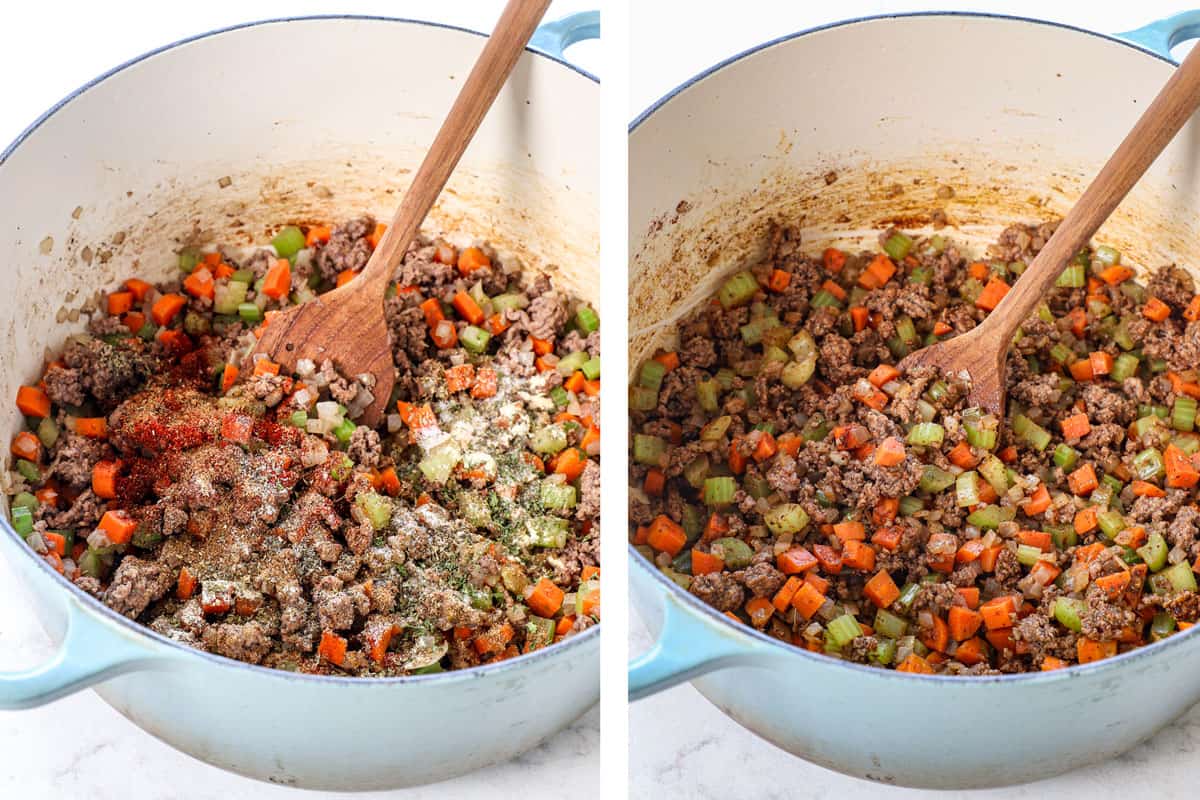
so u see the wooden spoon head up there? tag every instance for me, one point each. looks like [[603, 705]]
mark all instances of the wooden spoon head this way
[[975, 353], [343, 325]]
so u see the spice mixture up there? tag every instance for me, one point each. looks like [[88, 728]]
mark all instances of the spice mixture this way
[[243, 511], [787, 474]]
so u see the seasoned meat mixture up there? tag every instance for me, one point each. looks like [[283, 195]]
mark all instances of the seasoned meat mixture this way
[[244, 511], [786, 472]]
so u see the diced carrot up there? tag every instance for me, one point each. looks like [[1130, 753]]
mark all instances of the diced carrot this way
[[1076, 426], [571, 463], [92, 427], [433, 311], [1039, 539], [978, 270], [1156, 311], [833, 259], [807, 600], [376, 236], [119, 303], [1001, 639], [344, 277], [783, 598], [1081, 370], [941, 328], [779, 280], [118, 526], [332, 648], [1078, 319], [444, 335], [229, 377], [138, 288], [575, 382], [459, 378], [1102, 362], [1052, 662], [859, 316], [970, 596], [881, 589], [317, 234], [1145, 489], [885, 510], [878, 272], [795, 561], [265, 367], [1132, 537], [829, 559], [471, 259], [33, 402], [48, 494], [857, 555], [1116, 274], [972, 651], [1089, 650], [27, 446], [669, 360], [1115, 584], [166, 308], [237, 427], [544, 598], [666, 535], [759, 609], [850, 530], [887, 538], [1082, 481], [915, 664], [1008, 455], [1038, 502], [705, 563], [939, 637], [467, 308], [104, 479], [835, 290], [134, 321], [199, 284], [1086, 520], [998, 612], [542, 347], [883, 374], [992, 294], [186, 586], [655, 482], [1192, 312], [969, 551], [962, 456], [496, 324]]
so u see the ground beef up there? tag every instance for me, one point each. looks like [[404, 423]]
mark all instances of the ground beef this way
[[547, 313], [364, 447], [589, 492], [762, 579], [347, 248], [719, 590], [136, 584], [248, 642], [64, 386]]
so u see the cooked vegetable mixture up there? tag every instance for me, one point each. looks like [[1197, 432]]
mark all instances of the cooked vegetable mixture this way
[[786, 473], [243, 511]]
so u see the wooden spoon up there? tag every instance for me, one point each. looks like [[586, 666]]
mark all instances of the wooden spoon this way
[[347, 324], [981, 352]]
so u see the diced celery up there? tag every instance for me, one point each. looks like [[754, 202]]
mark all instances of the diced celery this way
[[475, 341], [559, 395], [28, 470], [195, 324], [650, 376], [884, 653], [1183, 413], [558, 496], [926, 434], [738, 289], [22, 520], [548, 531], [989, 517], [786, 518], [440, 461], [24, 500], [910, 505], [752, 332], [249, 312], [1037, 436], [897, 246], [1111, 522], [288, 242], [189, 257], [824, 299], [889, 625], [906, 330], [47, 432], [344, 430], [966, 489], [640, 398], [1154, 552], [1063, 536], [376, 507], [1069, 612], [1161, 626], [1108, 256], [797, 373], [227, 297], [736, 553], [934, 479], [1028, 554], [1074, 276], [982, 429], [573, 361], [1148, 465], [843, 630], [706, 394], [509, 301], [719, 491], [647, 449], [715, 429], [591, 368], [696, 471], [1061, 353], [908, 593], [1180, 577], [551, 439], [1065, 456], [587, 319]]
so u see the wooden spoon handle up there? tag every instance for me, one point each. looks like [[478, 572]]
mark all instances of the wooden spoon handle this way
[[1167, 113], [516, 25]]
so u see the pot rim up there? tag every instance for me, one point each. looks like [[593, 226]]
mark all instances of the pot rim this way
[[91, 604], [777, 647]]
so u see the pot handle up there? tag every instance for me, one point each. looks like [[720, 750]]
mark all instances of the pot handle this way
[[1161, 35], [91, 652], [687, 647], [553, 38]]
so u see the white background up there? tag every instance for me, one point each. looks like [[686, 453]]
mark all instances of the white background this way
[[680, 745], [79, 747]]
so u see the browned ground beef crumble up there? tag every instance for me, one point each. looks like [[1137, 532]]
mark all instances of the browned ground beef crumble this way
[[321, 546], [783, 477]]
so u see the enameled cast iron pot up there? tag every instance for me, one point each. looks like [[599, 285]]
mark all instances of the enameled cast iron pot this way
[[312, 119], [1015, 115]]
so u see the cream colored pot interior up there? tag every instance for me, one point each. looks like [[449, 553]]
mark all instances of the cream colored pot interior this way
[[896, 108], [307, 127]]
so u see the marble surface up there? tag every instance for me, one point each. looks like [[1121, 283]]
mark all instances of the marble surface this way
[[79, 747]]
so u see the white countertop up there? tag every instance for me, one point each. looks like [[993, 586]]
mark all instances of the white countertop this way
[[79, 747], [680, 745]]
